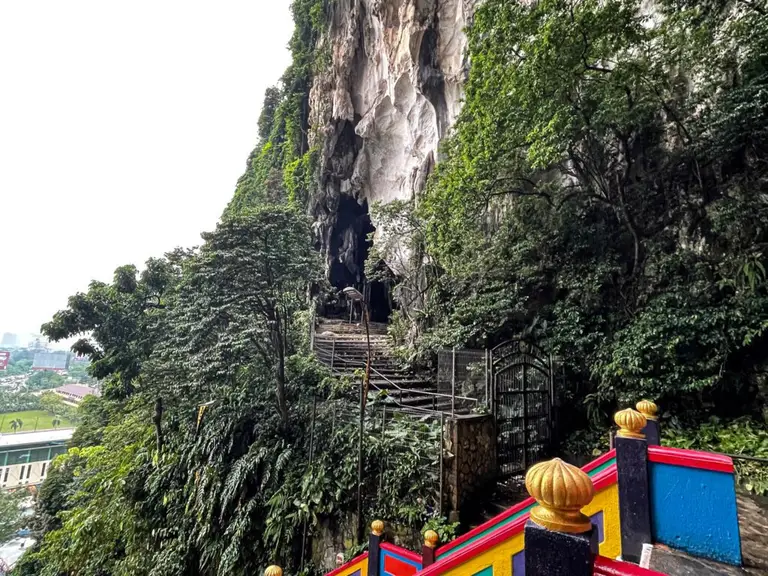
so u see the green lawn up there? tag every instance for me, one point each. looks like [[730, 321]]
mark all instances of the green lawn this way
[[30, 418]]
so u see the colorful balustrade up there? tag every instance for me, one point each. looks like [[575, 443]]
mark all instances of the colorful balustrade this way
[[579, 520]]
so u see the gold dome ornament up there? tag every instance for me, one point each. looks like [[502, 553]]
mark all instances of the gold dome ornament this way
[[273, 571], [431, 538], [561, 491], [377, 527], [647, 409], [630, 423]]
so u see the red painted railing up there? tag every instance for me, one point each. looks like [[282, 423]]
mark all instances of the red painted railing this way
[[600, 481], [690, 458], [355, 560]]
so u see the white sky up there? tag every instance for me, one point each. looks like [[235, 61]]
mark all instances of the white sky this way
[[124, 126]]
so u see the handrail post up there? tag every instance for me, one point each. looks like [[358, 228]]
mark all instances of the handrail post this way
[[651, 430], [453, 382], [634, 485], [374, 547], [431, 539], [559, 539]]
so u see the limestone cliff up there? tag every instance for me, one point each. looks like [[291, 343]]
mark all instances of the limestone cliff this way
[[392, 89]]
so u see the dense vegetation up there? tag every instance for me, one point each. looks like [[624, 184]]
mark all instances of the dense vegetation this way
[[283, 167], [199, 461], [604, 192]]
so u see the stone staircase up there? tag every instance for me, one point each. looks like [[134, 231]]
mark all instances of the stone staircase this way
[[342, 346]]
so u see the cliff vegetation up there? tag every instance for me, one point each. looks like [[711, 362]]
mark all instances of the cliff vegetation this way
[[604, 191]]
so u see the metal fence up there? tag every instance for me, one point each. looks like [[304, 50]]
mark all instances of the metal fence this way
[[402, 454], [464, 373]]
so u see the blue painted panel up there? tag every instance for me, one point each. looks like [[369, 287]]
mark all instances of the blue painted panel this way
[[695, 510], [598, 522], [518, 564], [355, 573], [485, 572]]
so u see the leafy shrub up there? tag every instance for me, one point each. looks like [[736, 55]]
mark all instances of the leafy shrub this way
[[743, 436]]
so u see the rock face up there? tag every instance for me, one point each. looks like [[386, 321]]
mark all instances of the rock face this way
[[377, 114]]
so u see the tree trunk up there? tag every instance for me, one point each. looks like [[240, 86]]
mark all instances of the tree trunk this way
[[282, 404], [158, 418]]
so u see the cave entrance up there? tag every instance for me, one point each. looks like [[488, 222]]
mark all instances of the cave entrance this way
[[350, 247]]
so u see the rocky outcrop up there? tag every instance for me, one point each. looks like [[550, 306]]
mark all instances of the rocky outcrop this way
[[377, 114]]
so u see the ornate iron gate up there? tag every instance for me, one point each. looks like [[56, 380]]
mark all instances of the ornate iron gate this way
[[522, 405]]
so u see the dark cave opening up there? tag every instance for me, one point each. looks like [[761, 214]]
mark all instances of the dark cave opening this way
[[431, 79], [350, 248]]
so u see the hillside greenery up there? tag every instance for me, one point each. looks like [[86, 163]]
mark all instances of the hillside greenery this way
[[604, 192], [155, 486], [282, 166]]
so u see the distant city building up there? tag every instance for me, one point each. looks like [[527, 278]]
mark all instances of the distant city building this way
[[25, 457], [51, 361], [9, 340], [38, 345], [75, 393]]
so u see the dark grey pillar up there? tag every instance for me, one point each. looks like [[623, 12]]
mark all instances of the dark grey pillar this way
[[550, 553], [634, 496]]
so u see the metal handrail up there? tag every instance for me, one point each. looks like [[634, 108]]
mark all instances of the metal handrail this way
[[362, 365], [424, 393]]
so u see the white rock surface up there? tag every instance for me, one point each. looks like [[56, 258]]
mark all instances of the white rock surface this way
[[392, 92]]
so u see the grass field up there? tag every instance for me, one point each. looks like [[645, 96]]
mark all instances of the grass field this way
[[42, 418]]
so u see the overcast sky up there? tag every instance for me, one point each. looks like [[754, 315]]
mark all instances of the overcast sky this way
[[124, 126]]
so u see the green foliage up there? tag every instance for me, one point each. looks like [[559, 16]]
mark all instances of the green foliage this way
[[446, 530], [43, 380], [18, 402], [282, 167], [121, 319], [604, 191], [78, 371], [55, 405], [743, 436], [93, 415], [161, 493], [17, 367], [11, 513]]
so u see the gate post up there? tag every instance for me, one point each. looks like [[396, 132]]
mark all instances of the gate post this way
[[491, 394]]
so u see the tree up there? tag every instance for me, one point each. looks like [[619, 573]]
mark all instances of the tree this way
[[598, 197], [121, 319], [11, 513], [43, 380]]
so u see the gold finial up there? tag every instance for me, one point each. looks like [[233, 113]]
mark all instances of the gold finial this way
[[377, 527], [431, 538], [561, 491], [273, 571], [631, 423], [647, 409]]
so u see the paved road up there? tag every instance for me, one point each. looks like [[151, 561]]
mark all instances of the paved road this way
[[12, 550]]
